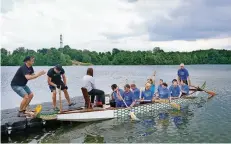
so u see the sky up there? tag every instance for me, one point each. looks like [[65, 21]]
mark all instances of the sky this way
[[101, 25]]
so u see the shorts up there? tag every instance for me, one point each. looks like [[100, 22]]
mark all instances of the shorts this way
[[120, 104], [22, 90], [63, 87]]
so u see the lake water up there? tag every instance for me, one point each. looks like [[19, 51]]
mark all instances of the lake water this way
[[206, 122]]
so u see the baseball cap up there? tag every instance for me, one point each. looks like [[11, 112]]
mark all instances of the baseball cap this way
[[58, 67]]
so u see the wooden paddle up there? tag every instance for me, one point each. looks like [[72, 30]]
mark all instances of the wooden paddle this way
[[133, 116], [172, 104], [60, 100], [208, 92]]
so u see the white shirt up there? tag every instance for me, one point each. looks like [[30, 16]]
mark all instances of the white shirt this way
[[88, 83]]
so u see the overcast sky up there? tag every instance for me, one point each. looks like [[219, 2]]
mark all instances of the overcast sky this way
[[100, 25]]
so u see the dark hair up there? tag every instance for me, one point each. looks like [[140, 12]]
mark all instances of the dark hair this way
[[151, 81], [127, 86], [184, 81], [113, 87], [165, 84], [174, 80], [90, 72], [58, 67], [161, 80], [28, 58], [133, 85]]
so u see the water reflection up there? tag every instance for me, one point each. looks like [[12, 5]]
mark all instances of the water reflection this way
[[93, 139]]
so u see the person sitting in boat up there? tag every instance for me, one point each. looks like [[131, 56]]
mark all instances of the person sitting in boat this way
[[147, 95], [175, 89], [136, 91], [128, 96], [89, 84], [184, 88], [152, 82], [159, 88], [164, 93], [117, 92]]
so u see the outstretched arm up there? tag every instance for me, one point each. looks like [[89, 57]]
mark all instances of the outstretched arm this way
[[154, 77], [33, 76]]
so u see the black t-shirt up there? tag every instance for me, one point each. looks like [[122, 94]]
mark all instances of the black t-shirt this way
[[19, 78], [55, 77]]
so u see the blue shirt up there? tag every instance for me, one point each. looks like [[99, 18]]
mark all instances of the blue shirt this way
[[152, 88], [128, 97], [185, 88], [147, 94], [116, 97], [175, 91], [159, 88], [183, 74], [164, 93], [136, 93]]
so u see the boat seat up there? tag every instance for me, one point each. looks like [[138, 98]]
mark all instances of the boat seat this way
[[86, 98]]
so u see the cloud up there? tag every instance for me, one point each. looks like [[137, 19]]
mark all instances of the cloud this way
[[126, 24], [197, 19]]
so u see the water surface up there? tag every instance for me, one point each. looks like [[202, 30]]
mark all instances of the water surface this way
[[209, 121]]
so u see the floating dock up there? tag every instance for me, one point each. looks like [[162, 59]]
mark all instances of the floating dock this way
[[10, 122]]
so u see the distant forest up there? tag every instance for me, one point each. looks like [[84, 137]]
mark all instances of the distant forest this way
[[68, 56]]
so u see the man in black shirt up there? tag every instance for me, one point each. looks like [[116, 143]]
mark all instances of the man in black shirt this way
[[18, 83], [54, 81]]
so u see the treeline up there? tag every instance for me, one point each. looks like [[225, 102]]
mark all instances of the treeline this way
[[67, 56]]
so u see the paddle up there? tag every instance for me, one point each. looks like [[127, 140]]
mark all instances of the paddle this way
[[172, 104], [208, 92], [60, 99], [133, 116]]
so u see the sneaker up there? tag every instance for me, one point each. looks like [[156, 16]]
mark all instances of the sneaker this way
[[72, 104], [21, 114]]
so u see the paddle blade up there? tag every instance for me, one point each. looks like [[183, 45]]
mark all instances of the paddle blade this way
[[133, 116], [175, 105], [38, 109], [211, 93]]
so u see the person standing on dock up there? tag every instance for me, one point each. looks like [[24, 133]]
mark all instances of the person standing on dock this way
[[89, 84], [183, 74], [19, 81], [54, 81]]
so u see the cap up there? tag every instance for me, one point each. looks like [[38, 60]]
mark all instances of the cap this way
[[58, 67], [182, 64], [27, 58]]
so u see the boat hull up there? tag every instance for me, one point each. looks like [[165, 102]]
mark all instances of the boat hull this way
[[105, 114], [87, 116]]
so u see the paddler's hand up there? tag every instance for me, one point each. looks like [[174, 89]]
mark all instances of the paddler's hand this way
[[119, 97], [154, 74], [41, 73]]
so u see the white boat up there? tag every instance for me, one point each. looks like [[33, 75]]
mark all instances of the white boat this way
[[96, 114]]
